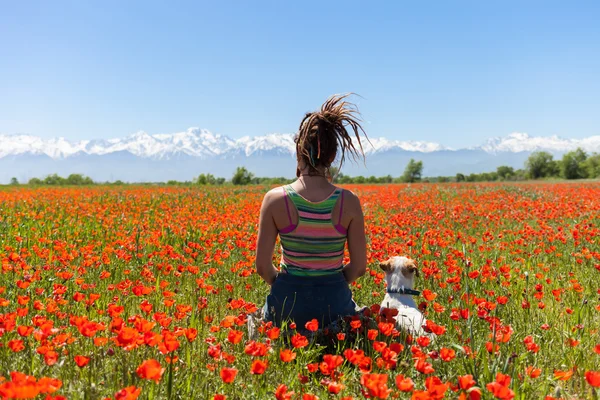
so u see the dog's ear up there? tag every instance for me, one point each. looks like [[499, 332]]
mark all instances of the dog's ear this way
[[386, 266], [411, 265]]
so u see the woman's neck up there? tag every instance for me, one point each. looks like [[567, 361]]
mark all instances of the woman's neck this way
[[313, 181]]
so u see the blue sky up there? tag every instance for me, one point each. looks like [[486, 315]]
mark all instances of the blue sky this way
[[453, 72]]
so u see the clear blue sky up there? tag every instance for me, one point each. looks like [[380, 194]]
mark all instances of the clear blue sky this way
[[454, 72]]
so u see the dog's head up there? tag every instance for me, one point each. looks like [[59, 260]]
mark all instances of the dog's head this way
[[399, 272]]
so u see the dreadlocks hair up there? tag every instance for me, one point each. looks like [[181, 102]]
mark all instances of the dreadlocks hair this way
[[322, 133]]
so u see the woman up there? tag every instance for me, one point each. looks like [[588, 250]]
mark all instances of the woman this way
[[314, 219]]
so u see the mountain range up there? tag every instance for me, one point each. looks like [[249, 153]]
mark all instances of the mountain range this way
[[142, 157]]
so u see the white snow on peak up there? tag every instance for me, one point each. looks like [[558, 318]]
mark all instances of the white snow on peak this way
[[202, 143], [281, 142], [28, 144], [197, 142], [518, 142], [379, 145]]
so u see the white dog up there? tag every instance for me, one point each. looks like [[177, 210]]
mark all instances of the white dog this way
[[400, 275]]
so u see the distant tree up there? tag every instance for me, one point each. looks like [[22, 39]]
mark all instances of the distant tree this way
[[202, 180], [206, 179], [335, 174], [35, 181], [385, 179], [337, 178], [505, 172], [14, 181], [572, 165], [592, 166], [372, 179], [54, 179], [413, 171], [520, 174], [78, 179], [344, 179], [359, 179], [210, 178], [220, 181], [242, 176], [460, 177], [74, 179], [541, 164]]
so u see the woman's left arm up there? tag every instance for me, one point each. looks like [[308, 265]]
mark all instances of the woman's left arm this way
[[267, 236]]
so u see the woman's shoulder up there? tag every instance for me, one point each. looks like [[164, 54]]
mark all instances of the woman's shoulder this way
[[274, 195], [347, 193]]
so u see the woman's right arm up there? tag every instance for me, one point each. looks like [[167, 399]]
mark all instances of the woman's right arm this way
[[357, 241], [265, 243]]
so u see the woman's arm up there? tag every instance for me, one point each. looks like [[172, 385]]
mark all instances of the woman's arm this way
[[357, 242], [267, 236]]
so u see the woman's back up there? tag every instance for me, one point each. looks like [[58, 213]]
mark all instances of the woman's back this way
[[314, 244]]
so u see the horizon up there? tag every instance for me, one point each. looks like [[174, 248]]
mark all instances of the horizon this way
[[454, 74], [593, 140]]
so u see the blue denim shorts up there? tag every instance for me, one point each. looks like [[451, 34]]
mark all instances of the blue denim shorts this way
[[302, 298]]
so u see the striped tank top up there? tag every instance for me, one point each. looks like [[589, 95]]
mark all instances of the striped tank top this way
[[314, 246]]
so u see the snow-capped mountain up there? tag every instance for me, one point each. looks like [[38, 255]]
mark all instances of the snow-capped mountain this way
[[517, 142], [184, 155], [202, 143], [193, 142]]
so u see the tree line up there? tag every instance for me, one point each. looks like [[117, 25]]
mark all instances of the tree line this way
[[576, 164], [56, 180]]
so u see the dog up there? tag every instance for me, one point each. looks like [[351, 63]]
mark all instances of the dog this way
[[400, 273]]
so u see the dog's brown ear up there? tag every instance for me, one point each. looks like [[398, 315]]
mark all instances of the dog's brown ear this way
[[386, 266], [412, 267]]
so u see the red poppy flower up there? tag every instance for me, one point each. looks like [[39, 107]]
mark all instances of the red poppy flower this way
[[281, 393], [234, 336], [299, 341], [376, 385], [330, 363], [258, 367], [273, 333], [334, 387], [500, 388], [563, 375], [436, 389], [228, 374], [447, 354], [16, 345], [81, 361], [128, 393], [593, 378], [404, 384], [312, 325], [23, 330], [379, 346], [287, 355], [466, 382], [150, 369]]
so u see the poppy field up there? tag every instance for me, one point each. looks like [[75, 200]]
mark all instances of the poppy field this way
[[144, 292]]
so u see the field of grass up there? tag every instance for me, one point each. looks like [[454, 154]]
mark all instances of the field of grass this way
[[141, 292]]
